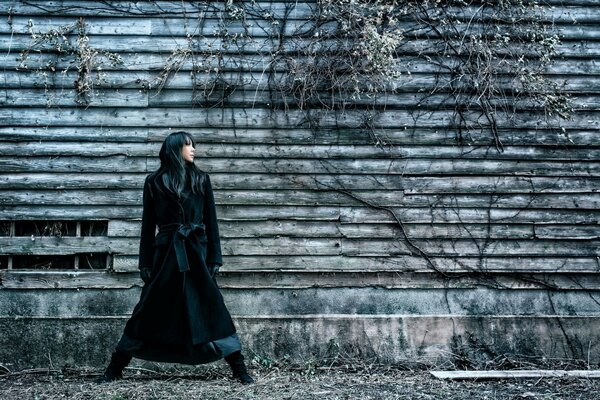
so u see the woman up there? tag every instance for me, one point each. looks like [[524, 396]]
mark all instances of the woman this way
[[181, 316]]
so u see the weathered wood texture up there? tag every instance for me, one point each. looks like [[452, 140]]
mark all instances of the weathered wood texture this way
[[376, 245]]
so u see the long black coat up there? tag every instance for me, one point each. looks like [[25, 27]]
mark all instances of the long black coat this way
[[181, 306]]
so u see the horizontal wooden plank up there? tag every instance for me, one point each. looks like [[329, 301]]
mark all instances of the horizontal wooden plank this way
[[180, 98], [63, 148], [143, 80], [567, 232], [184, 26], [388, 137], [276, 85], [283, 245], [76, 279], [444, 231], [294, 28], [466, 247], [40, 24], [412, 185], [29, 212], [364, 166], [173, 25], [275, 10], [410, 64], [46, 245], [89, 133], [333, 263], [145, 9], [396, 158], [333, 229], [319, 213], [10, 212], [260, 81], [400, 198], [256, 280], [123, 197], [67, 97], [403, 99], [174, 117], [465, 215], [249, 45], [264, 118], [88, 163], [280, 246], [50, 61], [53, 245], [391, 198]]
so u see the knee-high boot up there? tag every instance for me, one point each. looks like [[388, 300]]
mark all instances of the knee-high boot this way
[[118, 361], [238, 367]]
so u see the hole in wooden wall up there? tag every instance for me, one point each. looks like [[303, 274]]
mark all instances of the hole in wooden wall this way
[[42, 262], [56, 228], [93, 260], [45, 228], [94, 228], [89, 261], [5, 228]]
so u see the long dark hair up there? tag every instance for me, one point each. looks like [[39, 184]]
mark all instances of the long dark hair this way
[[175, 172]]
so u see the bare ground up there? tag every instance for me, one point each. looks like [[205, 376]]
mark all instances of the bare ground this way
[[272, 383]]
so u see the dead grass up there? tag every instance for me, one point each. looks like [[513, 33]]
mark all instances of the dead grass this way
[[212, 382]]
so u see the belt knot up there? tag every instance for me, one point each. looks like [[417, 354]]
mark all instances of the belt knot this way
[[179, 232]]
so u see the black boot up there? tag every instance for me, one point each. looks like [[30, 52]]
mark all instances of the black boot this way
[[236, 362], [114, 371]]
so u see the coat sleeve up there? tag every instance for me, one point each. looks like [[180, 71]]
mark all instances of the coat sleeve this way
[[148, 228], [213, 255]]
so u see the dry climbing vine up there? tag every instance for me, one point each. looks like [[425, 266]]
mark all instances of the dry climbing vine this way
[[70, 40], [489, 60], [494, 56]]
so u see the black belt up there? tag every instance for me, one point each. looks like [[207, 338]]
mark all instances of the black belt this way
[[178, 232]]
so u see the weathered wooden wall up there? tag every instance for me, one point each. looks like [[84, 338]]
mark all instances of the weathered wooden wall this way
[[309, 271]]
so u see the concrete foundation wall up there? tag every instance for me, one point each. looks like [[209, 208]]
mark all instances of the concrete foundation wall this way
[[432, 326], [432, 340]]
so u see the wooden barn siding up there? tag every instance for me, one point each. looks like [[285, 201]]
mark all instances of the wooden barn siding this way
[[305, 265]]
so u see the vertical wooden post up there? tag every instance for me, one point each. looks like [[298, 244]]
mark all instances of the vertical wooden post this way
[[108, 261], [77, 234], [11, 233]]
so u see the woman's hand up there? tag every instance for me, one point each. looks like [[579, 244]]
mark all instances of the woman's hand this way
[[213, 270], [145, 274]]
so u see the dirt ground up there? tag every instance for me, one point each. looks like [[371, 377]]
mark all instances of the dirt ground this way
[[271, 383]]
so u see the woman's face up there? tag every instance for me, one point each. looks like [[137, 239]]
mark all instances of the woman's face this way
[[187, 151]]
